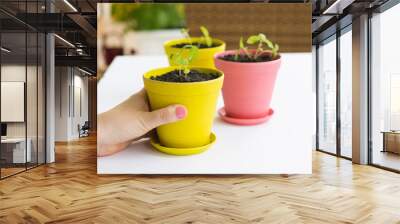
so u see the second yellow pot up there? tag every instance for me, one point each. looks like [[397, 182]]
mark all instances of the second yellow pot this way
[[200, 99], [205, 57]]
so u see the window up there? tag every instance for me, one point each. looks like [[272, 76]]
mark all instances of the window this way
[[22, 77], [327, 96], [385, 89], [346, 93]]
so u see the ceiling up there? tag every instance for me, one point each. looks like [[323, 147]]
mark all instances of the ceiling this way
[[332, 15], [75, 21], [72, 20]]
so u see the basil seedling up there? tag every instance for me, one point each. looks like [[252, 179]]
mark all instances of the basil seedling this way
[[261, 39], [184, 57]]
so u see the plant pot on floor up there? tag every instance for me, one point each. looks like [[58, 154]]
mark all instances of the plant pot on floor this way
[[192, 134], [205, 57], [247, 90]]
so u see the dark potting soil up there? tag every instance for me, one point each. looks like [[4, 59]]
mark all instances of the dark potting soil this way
[[179, 76], [244, 58], [199, 45]]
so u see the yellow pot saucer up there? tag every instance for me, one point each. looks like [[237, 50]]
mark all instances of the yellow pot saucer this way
[[181, 151]]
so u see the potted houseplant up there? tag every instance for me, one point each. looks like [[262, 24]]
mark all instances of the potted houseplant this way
[[207, 45], [250, 76], [197, 88], [148, 26]]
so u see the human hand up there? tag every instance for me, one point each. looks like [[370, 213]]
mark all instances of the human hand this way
[[130, 121]]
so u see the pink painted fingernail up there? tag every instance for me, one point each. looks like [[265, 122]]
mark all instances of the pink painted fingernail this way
[[180, 112]]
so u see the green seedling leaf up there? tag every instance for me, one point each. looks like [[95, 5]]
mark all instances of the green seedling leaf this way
[[185, 33], [193, 51], [241, 44], [275, 51], [269, 44], [204, 31], [206, 36], [186, 70], [185, 56], [262, 37], [242, 48], [253, 39]]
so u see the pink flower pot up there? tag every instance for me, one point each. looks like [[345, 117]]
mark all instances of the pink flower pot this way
[[248, 87]]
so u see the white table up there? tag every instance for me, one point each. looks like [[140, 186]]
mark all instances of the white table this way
[[283, 145], [19, 155]]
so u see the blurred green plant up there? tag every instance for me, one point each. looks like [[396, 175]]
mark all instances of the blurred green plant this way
[[149, 16]]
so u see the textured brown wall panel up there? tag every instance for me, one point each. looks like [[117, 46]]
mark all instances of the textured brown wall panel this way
[[289, 24], [92, 107]]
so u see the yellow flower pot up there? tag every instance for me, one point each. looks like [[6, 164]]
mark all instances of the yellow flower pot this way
[[205, 57], [192, 134]]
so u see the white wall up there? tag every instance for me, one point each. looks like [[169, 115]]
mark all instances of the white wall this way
[[12, 73], [70, 83], [62, 82], [80, 103]]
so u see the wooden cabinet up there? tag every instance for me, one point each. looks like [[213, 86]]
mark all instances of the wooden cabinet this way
[[391, 142]]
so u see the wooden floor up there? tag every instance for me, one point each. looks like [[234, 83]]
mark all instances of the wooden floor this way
[[10, 171], [5, 172], [387, 159], [70, 191]]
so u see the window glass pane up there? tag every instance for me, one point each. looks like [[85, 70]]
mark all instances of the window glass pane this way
[[32, 87], [31, 97], [327, 97], [385, 84], [22, 88], [346, 93], [13, 86], [41, 98]]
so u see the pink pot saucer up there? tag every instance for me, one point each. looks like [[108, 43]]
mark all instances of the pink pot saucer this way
[[243, 121]]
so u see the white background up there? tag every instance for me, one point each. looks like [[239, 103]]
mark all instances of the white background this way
[[283, 145]]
